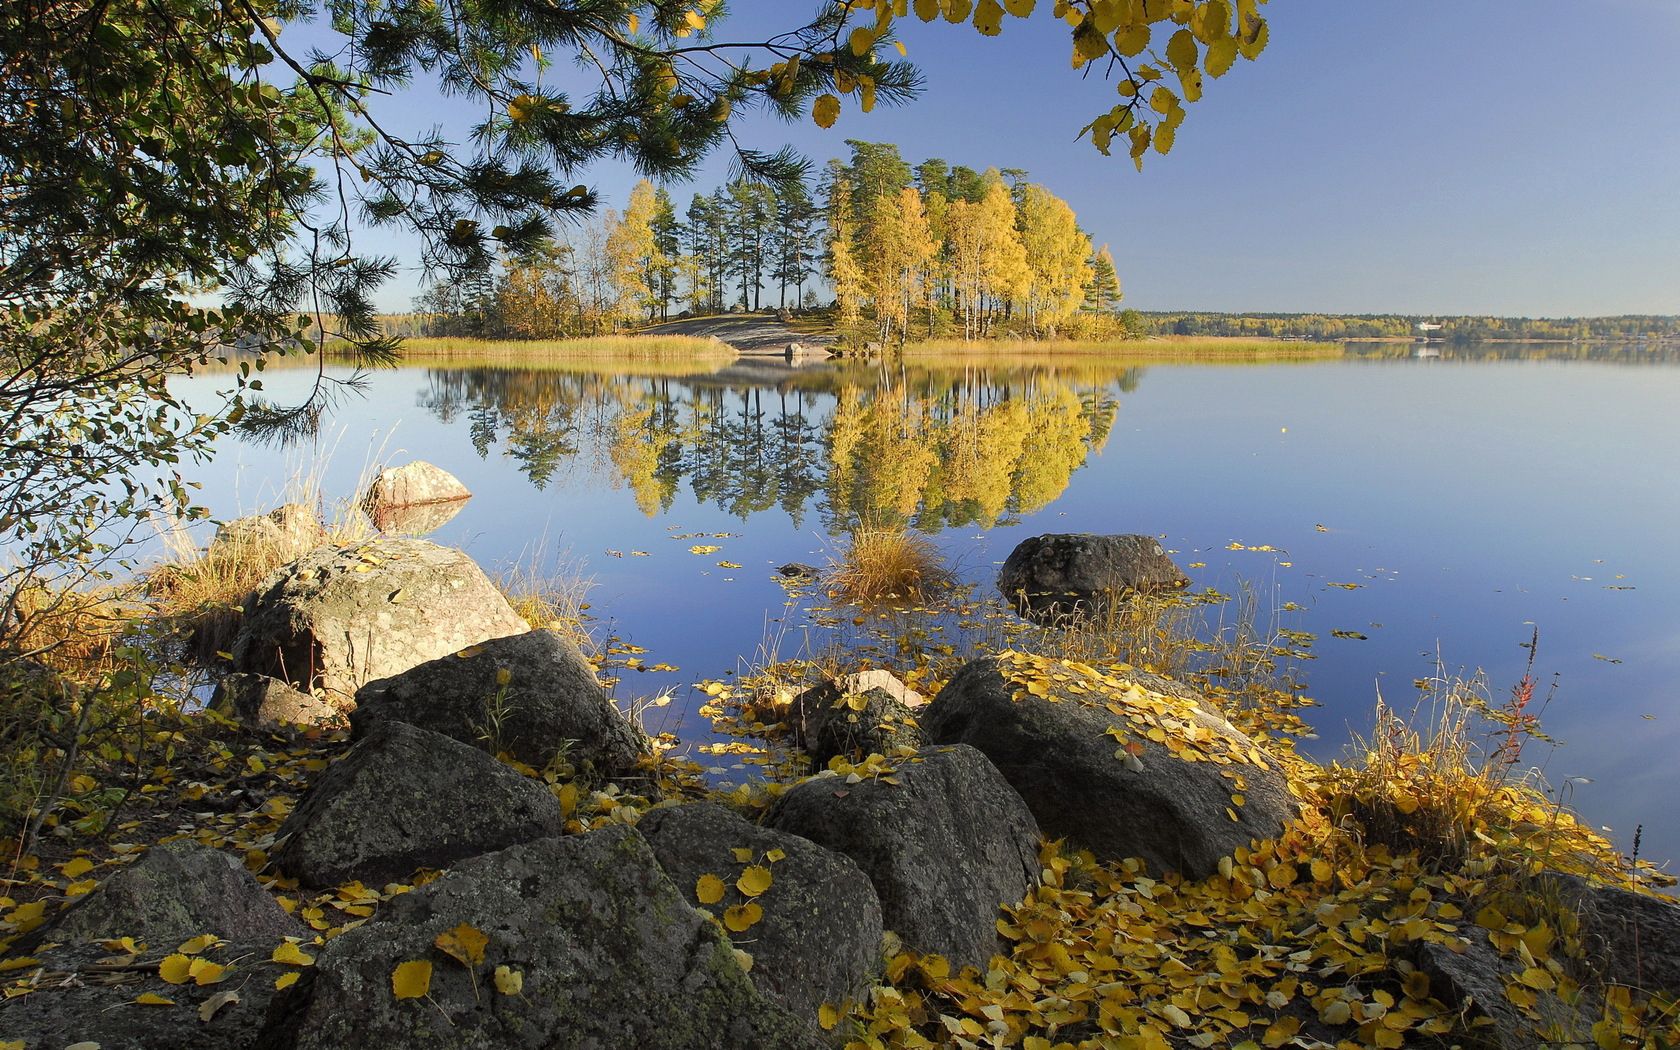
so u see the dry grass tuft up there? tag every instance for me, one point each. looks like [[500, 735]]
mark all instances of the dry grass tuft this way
[[888, 563], [1448, 776], [558, 600]]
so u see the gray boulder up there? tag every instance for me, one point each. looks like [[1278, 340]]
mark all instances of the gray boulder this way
[[609, 956], [1626, 938], [820, 938], [267, 703], [1055, 576], [832, 720], [1165, 801], [292, 530], [340, 617], [945, 845], [532, 695], [173, 892], [1469, 977], [416, 484], [405, 798], [1630, 938], [83, 1000]]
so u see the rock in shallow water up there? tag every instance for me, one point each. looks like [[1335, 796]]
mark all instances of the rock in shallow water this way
[[1055, 576]]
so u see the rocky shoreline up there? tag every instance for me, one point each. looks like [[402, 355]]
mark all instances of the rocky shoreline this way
[[688, 924]]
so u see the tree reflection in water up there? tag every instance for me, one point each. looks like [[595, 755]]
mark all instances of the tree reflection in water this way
[[933, 449]]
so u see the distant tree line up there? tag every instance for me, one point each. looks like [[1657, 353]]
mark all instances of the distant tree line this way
[[931, 250], [1469, 329]]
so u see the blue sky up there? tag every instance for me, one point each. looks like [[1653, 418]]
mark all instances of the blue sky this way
[[1500, 157]]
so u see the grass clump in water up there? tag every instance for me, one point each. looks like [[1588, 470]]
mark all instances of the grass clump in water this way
[[884, 563]]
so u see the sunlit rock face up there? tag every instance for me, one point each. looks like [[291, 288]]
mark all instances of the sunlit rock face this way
[[340, 617]]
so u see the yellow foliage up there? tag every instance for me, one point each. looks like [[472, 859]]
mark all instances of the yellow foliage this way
[[411, 980], [465, 944]]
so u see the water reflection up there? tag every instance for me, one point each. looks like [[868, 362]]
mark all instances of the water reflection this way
[[931, 448]]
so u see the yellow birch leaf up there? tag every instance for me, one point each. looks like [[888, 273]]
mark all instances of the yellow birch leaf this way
[[465, 944], [509, 981], [174, 968], [411, 980], [74, 869], [286, 980], [754, 881], [207, 1012], [153, 999], [708, 889], [204, 972], [197, 944], [825, 110], [742, 917], [289, 954]]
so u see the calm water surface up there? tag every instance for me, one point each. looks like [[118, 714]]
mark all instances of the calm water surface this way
[[1470, 501]]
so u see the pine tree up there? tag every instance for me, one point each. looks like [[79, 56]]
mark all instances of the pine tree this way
[[1104, 293]]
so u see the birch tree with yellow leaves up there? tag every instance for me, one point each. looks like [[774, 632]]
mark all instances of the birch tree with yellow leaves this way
[[1058, 259]]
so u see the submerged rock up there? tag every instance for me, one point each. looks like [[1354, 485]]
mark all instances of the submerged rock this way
[[603, 951], [532, 695], [340, 617], [405, 798], [1055, 576], [944, 839], [1081, 747], [820, 936]]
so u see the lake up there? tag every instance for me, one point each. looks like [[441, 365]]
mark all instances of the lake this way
[[1421, 512]]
